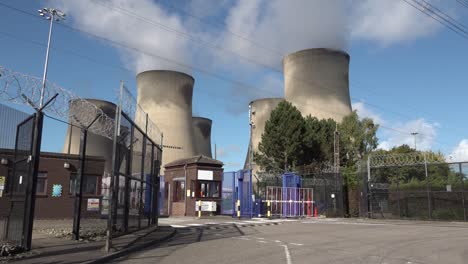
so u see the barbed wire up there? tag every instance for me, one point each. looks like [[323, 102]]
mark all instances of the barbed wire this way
[[405, 159], [130, 107], [14, 86]]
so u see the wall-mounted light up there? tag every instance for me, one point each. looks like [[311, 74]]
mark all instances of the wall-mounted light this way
[[4, 161], [66, 165]]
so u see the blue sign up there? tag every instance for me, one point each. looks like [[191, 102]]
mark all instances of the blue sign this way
[[56, 190]]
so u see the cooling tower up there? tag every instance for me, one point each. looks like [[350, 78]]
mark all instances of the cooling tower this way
[[317, 82], [202, 135], [167, 98], [260, 111], [96, 145]]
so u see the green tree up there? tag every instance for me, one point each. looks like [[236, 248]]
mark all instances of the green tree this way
[[319, 140], [358, 138], [282, 144]]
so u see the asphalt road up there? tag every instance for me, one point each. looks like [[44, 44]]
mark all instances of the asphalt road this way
[[313, 241]]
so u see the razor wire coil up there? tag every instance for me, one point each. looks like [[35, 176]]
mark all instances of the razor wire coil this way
[[15, 85]]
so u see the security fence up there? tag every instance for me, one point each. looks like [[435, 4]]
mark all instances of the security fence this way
[[104, 181], [413, 186], [136, 165]]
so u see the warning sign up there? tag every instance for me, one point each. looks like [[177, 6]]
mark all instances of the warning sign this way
[[93, 204]]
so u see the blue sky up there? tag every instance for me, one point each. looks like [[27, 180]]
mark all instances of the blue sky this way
[[407, 71]]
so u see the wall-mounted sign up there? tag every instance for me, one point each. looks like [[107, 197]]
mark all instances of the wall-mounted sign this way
[[205, 175], [93, 204], [206, 206], [56, 190], [2, 185]]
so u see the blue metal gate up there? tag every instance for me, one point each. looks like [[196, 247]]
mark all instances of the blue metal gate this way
[[227, 202], [243, 193]]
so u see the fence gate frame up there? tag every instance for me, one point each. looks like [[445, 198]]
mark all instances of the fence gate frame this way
[[27, 195]]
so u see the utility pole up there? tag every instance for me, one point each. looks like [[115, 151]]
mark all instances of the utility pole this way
[[251, 125], [336, 150], [414, 134], [49, 14]]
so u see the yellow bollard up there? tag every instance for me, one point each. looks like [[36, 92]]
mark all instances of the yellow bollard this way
[[238, 209], [269, 209]]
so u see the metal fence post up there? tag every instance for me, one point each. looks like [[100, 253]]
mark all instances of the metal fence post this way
[[369, 192], [32, 182], [113, 193], [128, 172], [462, 190], [79, 185], [427, 187]]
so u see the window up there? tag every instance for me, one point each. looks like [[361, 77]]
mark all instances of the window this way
[[179, 191], [90, 183], [41, 187], [208, 189], [2, 185]]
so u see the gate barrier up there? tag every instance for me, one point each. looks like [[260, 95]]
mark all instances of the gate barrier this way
[[288, 202]]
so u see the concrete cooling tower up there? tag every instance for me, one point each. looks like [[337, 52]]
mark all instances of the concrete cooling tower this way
[[317, 82], [260, 111], [167, 98], [202, 135], [96, 145]]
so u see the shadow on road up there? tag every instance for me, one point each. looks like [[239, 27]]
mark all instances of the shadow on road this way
[[183, 238]]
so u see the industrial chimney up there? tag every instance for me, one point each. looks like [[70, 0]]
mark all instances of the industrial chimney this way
[[202, 135], [317, 82], [97, 145], [167, 98]]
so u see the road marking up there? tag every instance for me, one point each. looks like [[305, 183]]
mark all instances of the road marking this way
[[262, 241], [211, 223], [296, 244], [195, 224], [342, 223], [277, 241], [260, 238], [178, 226], [250, 222], [218, 235], [288, 255]]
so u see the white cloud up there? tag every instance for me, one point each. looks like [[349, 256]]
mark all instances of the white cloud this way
[[388, 22], [364, 112], [284, 27], [122, 21], [460, 152], [400, 133], [255, 35]]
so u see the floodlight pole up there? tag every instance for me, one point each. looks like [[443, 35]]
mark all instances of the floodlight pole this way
[[50, 14], [414, 134]]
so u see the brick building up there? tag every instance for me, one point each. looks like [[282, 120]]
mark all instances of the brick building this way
[[187, 181], [53, 171]]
